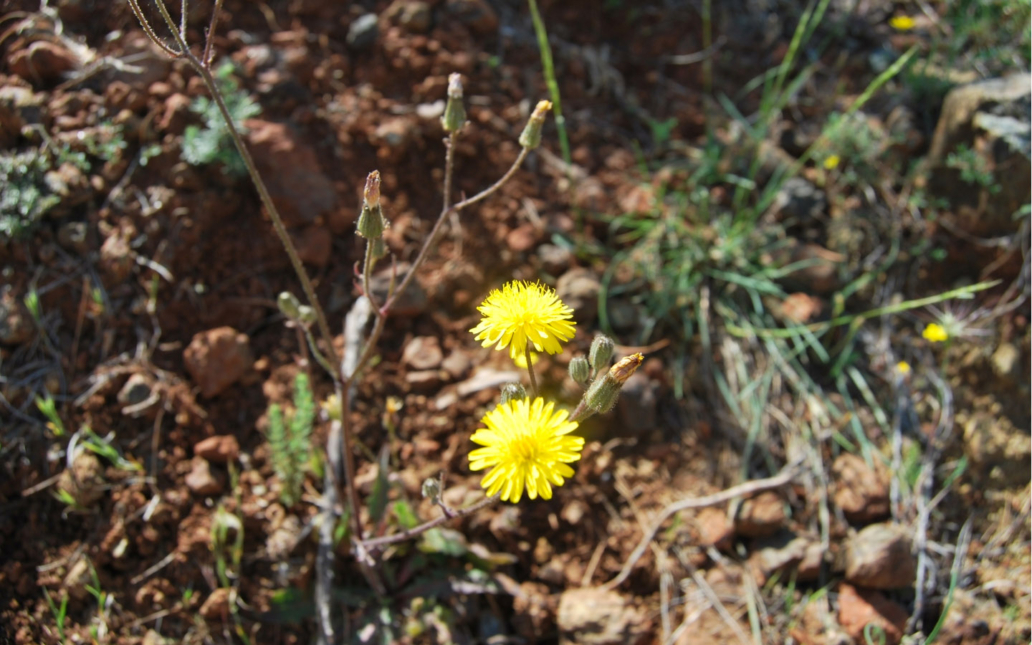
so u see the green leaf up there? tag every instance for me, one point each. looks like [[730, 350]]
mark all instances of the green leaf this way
[[378, 497], [443, 541]]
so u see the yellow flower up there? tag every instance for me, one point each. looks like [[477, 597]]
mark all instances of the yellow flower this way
[[935, 333], [522, 312], [903, 367], [526, 443], [902, 23], [832, 162], [521, 360]]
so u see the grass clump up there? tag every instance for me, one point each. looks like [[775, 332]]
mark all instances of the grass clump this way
[[213, 143], [290, 440]]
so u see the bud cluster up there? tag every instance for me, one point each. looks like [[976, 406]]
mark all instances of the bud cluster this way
[[603, 383]]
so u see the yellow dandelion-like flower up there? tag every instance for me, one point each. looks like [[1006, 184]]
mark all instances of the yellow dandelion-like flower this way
[[935, 333], [527, 443], [903, 367], [902, 23], [522, 312], [832, 162]]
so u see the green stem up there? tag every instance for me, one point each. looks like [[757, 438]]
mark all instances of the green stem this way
[[553, 86], [530, 371]]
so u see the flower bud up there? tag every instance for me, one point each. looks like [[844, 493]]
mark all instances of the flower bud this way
[[371, 223], [580, 371], [289, 305], [513, 392], [306, 314], [432, 489], [601, 352], [531, 137], [602, 395], [626, 367], [454, 111]]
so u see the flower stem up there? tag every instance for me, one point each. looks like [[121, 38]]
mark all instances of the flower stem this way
[[530, 371], [408, 534]]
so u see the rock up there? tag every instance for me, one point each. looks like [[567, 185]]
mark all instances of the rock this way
[[116, 258], [200, 480], [475, 14], [533, 608], [217, 358], [778, 553], [219, 449], [820, 277], [409, 304], [175, 115], [137, 389], [861, 493], [578, 288], [216, 605], [153, 638], [424, 381], [636, 407], [800, 308], [69, 184], [16, 325], [363, 32], [314, 245], [430, 111], [84, 481], [760, 516], [879, 557], [457, 364], [990, 119], [422, 353], [809, 569], [800, 200], [42, 61], [714, 528], [296, 182], [413, 15], [1004, 359], [593, 616], [859, 608], [522, 238], [554, 259]]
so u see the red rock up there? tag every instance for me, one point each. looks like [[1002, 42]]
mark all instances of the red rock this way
[[522, 238], [714, 528], [42, 60], [879, 557], [861, 607], [861, 493], [220, 448], [800, 307], [116, 258], [216, 605], [291, 171], [217, 358], [173, 119], [761, 516], [200, 480]]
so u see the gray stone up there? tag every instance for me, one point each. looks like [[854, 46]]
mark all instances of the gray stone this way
[[363, 32], [800, 200]]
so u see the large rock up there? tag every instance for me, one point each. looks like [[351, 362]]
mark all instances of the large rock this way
[[879, 557], [990, 119], [217, 358], [296, 182], [860, 491], [593, 616], [859, 608]]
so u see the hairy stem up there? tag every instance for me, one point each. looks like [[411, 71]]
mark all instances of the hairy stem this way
[[408, 534]]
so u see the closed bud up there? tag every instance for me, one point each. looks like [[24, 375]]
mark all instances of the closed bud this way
[[454, 111], [531, 136], [306, 314], [432, 489], [580, 371], [602, 395], [288, 305], [513, 392], [371, 222], [371, 194], [601, 352]]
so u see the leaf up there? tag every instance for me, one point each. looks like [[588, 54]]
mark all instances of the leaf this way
[[443, 541], [406, 518], [378, 497]]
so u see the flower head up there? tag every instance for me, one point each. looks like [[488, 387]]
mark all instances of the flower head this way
[[832, 162], [935, 333], [526, 443], [522, 312], [903, 367], [902, 23]]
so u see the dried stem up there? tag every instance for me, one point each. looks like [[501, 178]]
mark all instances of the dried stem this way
[[748, 488], [210, 38], [408, 534]]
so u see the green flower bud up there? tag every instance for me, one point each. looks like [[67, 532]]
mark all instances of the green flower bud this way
[[513, 392], [602, 395], [531, 137], [601, 352], [454, 111], [289, 305], [306, 314], [432, 489], [580, 371]]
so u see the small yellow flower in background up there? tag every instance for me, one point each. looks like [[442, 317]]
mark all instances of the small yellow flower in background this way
[[903, 367], [524, 312], [832, 162], [521, 360], [935, 333], [902, 23], [527, 443]]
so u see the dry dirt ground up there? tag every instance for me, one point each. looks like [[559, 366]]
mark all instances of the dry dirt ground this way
[[159, 330]]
